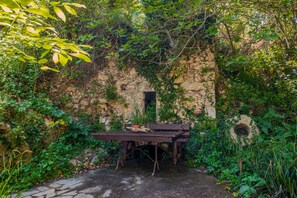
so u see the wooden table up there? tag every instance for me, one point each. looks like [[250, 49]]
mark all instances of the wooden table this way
[[152, 138]]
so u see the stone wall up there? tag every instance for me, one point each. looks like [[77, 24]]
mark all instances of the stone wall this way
[[199, 81], [197, 78]]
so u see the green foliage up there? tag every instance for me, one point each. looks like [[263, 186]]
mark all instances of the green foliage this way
[[140, 118], [25, 28], [10, 173], [54, 161], [269, 163], [50, 163], [170, 98], [151, 114], [255, 84], [137, 116], [255, 49], [25, 109], [110, 91], [149, 36], [116, 124], [78, 132], [255, 57]]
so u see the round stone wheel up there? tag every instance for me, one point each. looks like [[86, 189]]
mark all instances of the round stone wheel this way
[[244, 129]]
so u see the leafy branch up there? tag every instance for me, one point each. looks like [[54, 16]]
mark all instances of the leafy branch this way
[[25, 28]]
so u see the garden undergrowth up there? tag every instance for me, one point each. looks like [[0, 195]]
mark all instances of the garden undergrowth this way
[[268, 164], [53, 162]]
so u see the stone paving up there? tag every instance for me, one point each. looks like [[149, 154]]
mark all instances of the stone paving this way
[[132, 181]]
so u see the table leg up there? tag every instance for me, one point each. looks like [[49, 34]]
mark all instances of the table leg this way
[[156, 164], [180, 150], [174, 160], [122, 154]]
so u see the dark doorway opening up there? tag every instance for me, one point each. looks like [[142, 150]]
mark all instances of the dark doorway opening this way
[[150, 106]]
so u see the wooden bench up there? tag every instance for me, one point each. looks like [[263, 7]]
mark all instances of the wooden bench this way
[[173, 127]]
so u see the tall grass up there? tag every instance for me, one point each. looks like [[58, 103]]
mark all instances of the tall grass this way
[[10, 171], [277, 165]]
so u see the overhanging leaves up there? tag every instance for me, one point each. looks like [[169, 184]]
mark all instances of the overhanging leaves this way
[[24, 25]]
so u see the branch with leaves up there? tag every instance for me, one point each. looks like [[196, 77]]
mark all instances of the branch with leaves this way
[[25, 28]]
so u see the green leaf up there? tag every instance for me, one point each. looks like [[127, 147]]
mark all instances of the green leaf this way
[[21, 59], [45, 68], [86, 46], [9, 3], [41, 12], [78, 5], [60, 13], [70, 10], [42, 61], [54, 3], [47, 47], [212, 30], [63, 59], [24, 2], [44, 53], [243, 189], [82, 56]]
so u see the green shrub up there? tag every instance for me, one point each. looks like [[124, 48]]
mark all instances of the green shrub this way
[[150, 114], [116, 124], [52, 162], [268, 164], [110, 91]]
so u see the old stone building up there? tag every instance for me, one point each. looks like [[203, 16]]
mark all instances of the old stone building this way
[[197, 80]]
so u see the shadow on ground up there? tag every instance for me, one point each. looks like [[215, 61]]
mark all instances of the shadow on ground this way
[[134, 180]]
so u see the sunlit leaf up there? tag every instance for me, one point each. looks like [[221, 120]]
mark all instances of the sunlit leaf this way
[[82, 56], [60, 13], [55, 58], [5, 8], [39, 12], [86, 46], [16, 10], [42, 61], [45, 68], [54, 3], [4, 24], [70, 10], [63, 59], [9, 3], [24, 2], [47, 47], [78, 5], [32, 30]]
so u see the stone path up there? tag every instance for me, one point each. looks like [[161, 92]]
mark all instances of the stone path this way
[[133, 181]]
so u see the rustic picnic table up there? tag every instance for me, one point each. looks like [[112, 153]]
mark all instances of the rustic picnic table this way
[[150, 138]]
